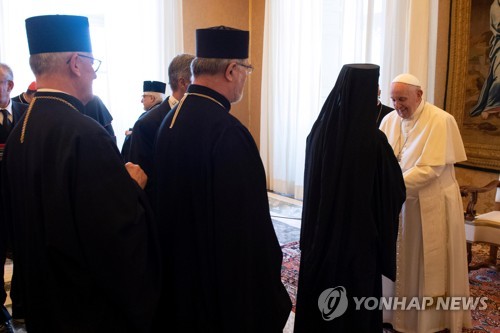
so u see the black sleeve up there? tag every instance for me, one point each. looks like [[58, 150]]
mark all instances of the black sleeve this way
[[115, 226], [248, 238], [389, 196]]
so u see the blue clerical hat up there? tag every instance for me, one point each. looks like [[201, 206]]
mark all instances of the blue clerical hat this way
[[222, 42], [154, 86], [58, 33]]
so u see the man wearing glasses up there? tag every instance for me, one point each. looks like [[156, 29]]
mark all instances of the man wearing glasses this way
[[81, 230], [220, 250]]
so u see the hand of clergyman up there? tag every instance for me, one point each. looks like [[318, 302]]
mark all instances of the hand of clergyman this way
[[137, 174]]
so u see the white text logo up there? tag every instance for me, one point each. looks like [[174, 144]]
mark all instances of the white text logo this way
[[416, 303], [333, 303]]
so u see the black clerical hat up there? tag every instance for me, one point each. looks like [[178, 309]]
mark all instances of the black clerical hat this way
[[58, 33], [154, 86], [222, 42]]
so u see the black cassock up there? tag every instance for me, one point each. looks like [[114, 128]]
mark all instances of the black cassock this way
[[142, 140], [82, 229], [128, 140], [127, 143], [353, 192], [221, 253]]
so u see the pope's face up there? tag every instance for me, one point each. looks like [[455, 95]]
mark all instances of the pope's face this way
[[406, 98]]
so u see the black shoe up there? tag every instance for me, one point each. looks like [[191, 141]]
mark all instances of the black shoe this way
[[6, 327]]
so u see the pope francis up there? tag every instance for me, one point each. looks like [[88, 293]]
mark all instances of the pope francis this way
[[431, 259]]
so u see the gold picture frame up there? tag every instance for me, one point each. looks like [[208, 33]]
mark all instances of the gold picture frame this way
[[468, 67]]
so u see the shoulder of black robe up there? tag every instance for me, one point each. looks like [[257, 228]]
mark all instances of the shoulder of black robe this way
[[18, 109], [18, 98], [219, 242], [83, 233], [312, 171], [96, 110], [389, 195], [340, 236]]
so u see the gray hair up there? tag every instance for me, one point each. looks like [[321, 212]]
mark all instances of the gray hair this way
[[157, 95], [210, 66], [179, 68], [7, 72], [43, 63]]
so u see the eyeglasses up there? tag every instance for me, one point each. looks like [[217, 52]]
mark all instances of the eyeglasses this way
[[96, 63], [249, 68]]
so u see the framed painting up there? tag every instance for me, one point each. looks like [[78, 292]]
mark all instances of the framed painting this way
[[473, 82]]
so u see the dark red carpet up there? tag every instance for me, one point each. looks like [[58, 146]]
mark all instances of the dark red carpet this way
[[484, 282]]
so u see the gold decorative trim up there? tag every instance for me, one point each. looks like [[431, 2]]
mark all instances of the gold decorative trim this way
[[182, 102], [28, 112]]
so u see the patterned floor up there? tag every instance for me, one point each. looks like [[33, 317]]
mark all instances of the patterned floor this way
[[286, 214]]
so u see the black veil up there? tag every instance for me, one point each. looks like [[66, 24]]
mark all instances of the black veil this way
[[353, 192]]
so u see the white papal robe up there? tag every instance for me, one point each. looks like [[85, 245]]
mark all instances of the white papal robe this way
[[432, 255]]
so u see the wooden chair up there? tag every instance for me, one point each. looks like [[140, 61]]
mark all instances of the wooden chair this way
[[483, 228]]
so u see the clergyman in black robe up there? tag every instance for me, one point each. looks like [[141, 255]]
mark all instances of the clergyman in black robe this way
[[221, 252], [82, 230], [141, 142], [153, 96], [145, 128], [353, 192]]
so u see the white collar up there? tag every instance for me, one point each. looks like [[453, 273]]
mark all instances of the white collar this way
[[8, 107], [51, 90], [172, 101]]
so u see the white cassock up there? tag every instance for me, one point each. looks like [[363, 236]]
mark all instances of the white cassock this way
[[432, 255]]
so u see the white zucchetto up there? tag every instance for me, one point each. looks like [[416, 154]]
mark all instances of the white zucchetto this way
[[408, 79]]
